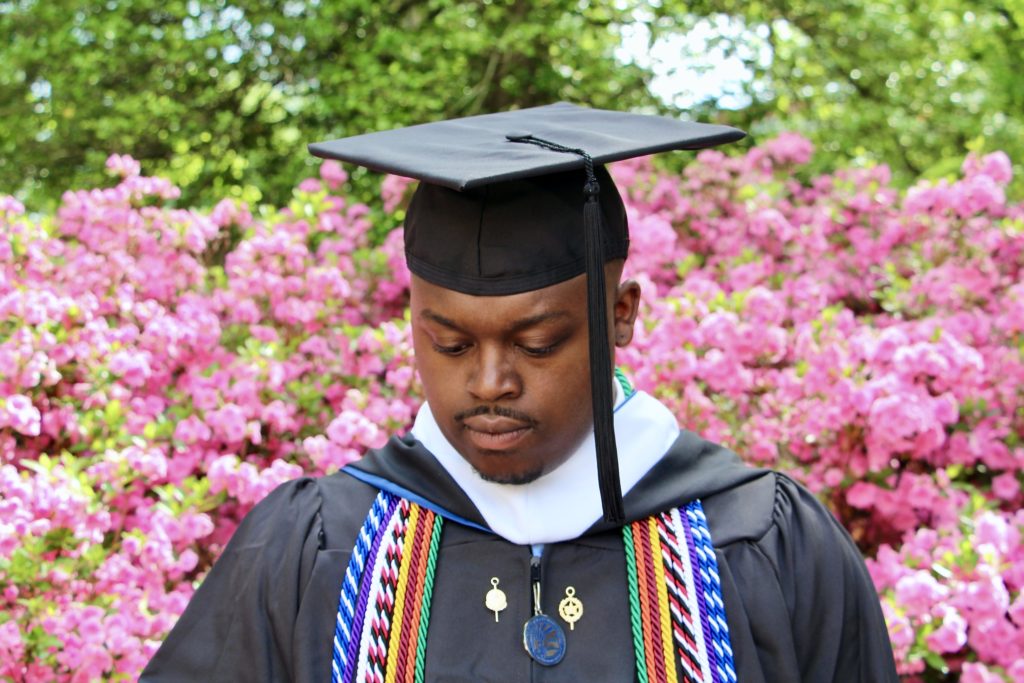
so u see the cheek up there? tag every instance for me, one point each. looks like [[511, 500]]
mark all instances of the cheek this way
[[566, 388], [430, 370], [445, 380]]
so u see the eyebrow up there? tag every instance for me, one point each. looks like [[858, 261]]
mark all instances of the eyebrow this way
[[518, 325]]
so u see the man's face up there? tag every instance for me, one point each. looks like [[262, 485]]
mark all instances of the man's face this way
[[507, 377]]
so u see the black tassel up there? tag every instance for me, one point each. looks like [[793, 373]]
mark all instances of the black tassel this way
[[601, 363], [601, 393]]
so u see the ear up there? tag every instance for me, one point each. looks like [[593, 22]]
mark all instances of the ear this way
[[627, 304]]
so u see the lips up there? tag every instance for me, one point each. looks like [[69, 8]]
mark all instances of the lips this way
[[493, 433]]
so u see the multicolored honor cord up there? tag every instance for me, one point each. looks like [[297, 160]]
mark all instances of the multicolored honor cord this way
[[675, 598], [384, 608], [676, 610]]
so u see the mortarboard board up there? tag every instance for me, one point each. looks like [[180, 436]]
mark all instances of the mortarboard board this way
[[517, 201]]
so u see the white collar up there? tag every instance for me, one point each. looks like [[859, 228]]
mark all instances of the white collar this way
[[564, 503]]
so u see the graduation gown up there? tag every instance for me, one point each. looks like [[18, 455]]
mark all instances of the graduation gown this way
[[799, 602]]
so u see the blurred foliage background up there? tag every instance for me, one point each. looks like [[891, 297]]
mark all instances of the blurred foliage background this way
[[221, 96]]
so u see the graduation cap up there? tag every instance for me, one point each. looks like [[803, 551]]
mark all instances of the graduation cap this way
[[517, 201]]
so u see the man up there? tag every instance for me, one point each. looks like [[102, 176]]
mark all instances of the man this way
[[543, 521]]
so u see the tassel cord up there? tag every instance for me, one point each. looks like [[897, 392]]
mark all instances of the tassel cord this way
[[601, 392]]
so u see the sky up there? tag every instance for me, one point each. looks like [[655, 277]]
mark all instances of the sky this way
[[689, 68]]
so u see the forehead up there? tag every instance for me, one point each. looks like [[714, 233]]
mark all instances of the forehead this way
[[568, 298]]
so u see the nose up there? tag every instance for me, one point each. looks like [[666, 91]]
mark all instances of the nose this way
[[494, 376]]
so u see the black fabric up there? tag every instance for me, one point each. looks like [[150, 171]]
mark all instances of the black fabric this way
[[406, 463], [799, 603], [476, 151], [509, 237]]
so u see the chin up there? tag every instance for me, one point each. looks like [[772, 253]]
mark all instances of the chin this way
[[511, 478]]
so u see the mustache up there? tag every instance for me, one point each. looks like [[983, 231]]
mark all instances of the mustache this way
[[499, 411]]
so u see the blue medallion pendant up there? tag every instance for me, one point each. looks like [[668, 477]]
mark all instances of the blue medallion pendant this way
[[544, 640]]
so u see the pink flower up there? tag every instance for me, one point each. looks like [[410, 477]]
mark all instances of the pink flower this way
[[192, 430], [333, 174], [123, 165], [204, 398], [789, 148], [862, 495], [985, 598], [11, 645], [995, 530], [133, 367], [280, 416], [907, 422], [652, 241], [978, 194], [393, 191], [919, 592], [1006, 485], [150, 463], [328, 456], [978, 673], [886, 568], [11, 206], [230, 212], [229, 423], [996, 166], [951, 636], [221, 473], [18, 412], [351, 428]]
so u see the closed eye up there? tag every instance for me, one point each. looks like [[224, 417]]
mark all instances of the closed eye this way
[[539, 351], [450, 350]]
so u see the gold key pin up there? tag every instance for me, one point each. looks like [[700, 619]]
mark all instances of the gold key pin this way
[[570, 608], [495, 599]]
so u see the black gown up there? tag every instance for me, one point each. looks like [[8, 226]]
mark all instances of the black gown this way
[[799, 602]]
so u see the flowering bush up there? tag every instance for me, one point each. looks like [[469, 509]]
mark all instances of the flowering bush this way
[[162, 369]]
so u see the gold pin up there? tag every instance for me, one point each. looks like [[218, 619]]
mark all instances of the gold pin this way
[[570, 608], [495, 599]]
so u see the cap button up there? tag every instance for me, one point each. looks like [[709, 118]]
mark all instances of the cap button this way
[[518, 136]]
